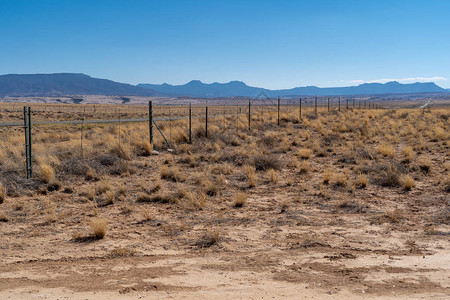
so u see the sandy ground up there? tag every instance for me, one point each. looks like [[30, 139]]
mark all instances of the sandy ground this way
[[308, 250], [294, 239]]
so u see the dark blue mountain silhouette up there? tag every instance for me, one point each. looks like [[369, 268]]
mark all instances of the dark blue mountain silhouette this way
[[59, 84], [196, 88]]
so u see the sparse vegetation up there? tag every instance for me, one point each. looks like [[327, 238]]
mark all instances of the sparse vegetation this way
[[322, 179]]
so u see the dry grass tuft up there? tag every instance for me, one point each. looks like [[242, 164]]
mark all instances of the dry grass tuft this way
[[424, 164], [386, 150], [407, 182], [2, 193], [304, 153], [3, 216], [304, 167], [250, 173], [361, 181], [210, 238], [265, 162], [447, 183], [239, 199], [408, 154], [340, 180], [171, 173], [46, 173], [273, 176], [326, 176], [147, 215], [389, 177], [98, 227]]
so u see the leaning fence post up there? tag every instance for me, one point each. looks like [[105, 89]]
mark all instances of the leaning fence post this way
[[150, 120], [190, 124], [278, 110]]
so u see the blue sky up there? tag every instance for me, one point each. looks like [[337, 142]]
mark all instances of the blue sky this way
[[272, 44]]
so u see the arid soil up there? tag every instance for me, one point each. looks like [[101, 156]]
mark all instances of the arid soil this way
[[297, 235]]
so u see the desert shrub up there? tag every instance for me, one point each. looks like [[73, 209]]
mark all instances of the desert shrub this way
[[340, 180], [143, 148], [304, 153], [424, 164], [179, 135], [386, 150], [304, 167], [3, 216], [265, 162], [2, 193], [446, 183], [361, 181], [354, 207], [273, 175], [46, 173], [210, 238], [121, 151], [239, 199], [250, 173], [193, 200], [98, 227], [408, 154], [326, 176], [171, 173], [389, 177], [407, 182]]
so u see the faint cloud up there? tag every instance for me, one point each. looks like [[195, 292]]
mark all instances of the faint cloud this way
[[401, 80]]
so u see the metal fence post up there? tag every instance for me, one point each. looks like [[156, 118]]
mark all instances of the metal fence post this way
[[25, 126], [278, 110], [150, 120], [82, 133], [300, 110], [190, 124], [206, 120], [315, 106], [249, 114], [29, 142]]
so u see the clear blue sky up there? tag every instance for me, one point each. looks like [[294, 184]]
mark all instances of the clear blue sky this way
[[272, 44]]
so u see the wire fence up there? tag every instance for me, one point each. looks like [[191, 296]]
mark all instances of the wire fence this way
[[62, 135]]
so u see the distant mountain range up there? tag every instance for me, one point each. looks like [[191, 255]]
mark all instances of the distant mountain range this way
[[47, 85], [196, 88], [63, 84]]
